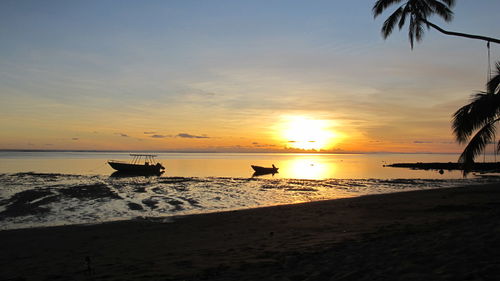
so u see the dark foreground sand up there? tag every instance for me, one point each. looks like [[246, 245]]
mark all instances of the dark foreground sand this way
[[447, 234]]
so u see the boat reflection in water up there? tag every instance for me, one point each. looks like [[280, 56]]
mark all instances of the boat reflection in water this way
[[141, 165]]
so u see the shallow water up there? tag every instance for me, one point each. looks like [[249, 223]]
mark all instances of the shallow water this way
[[303, 166], [70, 194]]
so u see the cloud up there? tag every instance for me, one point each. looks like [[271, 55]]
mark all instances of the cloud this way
[[149, 133], [256, 144], [417, 141], [75, 139], [161, 136], [122, 135], [189, 136]]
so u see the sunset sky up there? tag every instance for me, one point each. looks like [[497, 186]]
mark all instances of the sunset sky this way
[[235, 76]]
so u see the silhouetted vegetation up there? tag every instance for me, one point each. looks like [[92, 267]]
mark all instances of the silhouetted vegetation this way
[[479, 116], [417, 13]]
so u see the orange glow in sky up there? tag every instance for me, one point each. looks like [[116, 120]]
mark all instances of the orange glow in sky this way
[[307, 133], [236, 76]]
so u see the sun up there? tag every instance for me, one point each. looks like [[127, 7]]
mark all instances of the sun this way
[[308, 134]]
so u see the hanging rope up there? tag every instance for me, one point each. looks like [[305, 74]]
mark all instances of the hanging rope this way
[[488, 76], [489, 62]]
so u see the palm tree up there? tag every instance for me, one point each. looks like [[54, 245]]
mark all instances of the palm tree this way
[[480, 116], [418, 12]]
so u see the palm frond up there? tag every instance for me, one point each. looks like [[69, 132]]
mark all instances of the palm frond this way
[[390, 22], [441, 9], [420, 8], [411, 30], [381, 5], [482, 109], [450, 3], [402, 20], [477, 145], [419, 31], [494, 84], [461, 125]]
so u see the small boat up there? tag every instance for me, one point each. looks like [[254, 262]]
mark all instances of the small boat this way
[[264, 170], [141, 164]]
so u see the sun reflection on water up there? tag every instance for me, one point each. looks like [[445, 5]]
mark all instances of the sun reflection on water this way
[[307, 168]]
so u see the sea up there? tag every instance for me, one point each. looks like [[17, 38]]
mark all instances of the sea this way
[[52, 188]]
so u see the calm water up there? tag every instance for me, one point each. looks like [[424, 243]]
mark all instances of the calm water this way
[[55, 188], [295, 166]]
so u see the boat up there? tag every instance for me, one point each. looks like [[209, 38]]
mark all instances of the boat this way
[[264, 170], [141, 164]]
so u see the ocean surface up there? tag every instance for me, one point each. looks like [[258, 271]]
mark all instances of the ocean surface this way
[[58, 188]]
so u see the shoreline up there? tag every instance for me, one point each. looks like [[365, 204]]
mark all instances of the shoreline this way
[[171, 216], [341, 237]]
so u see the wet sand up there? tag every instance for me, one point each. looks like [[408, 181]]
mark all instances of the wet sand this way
[[444, 234]]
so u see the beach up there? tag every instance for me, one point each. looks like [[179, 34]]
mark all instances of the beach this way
[[249, 140], [440, 234]]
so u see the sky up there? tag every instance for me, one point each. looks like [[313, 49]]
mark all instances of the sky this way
[[233, 76]]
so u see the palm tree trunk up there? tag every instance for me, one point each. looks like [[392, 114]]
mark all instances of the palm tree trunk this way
[[471, 36]]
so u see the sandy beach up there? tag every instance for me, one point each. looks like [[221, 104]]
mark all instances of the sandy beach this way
[[442, 234]]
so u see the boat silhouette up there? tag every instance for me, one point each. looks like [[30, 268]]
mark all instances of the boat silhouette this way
[[141, 164], [260, 171]]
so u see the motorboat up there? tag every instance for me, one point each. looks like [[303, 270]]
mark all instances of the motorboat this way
[[264, 170], [141, 164]]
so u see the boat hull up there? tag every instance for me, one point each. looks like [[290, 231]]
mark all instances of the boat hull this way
[[136, 169], [264, 170]]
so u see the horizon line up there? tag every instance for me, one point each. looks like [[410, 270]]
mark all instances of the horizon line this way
[[215, 151]]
